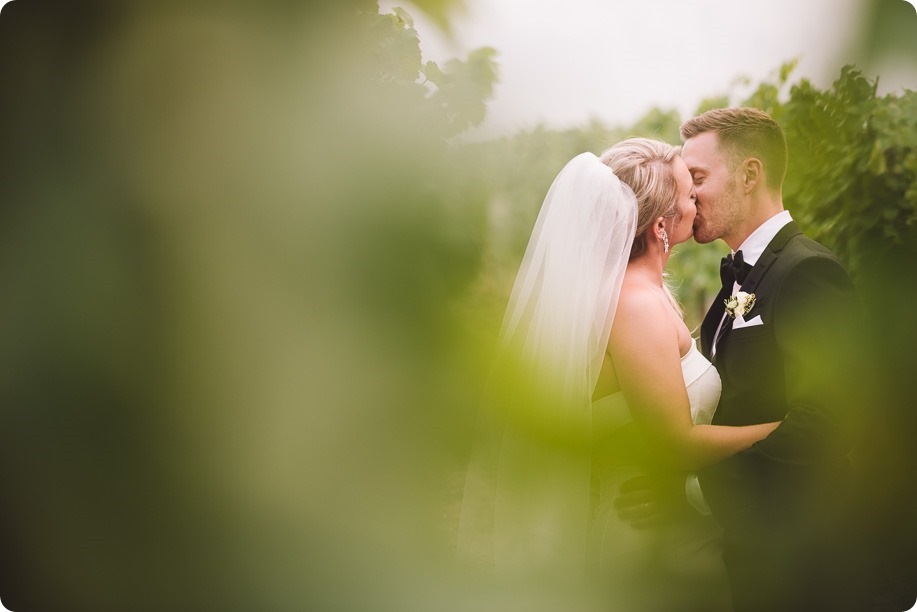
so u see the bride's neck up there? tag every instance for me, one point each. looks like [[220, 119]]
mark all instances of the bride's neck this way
[[649, 266]]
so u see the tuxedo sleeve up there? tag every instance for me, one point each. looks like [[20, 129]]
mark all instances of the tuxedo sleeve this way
[[815, 324]]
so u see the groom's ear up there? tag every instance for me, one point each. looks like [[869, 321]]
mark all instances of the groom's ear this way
[[752, 174]]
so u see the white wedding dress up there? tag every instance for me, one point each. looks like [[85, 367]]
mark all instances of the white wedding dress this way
[[672, 567]]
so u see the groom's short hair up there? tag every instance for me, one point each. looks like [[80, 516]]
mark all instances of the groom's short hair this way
[[745, 132]]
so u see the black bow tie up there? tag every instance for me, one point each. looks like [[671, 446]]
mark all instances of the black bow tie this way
[[733, 269]]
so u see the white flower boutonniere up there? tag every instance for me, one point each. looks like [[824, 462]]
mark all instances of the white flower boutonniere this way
[[740, 304]]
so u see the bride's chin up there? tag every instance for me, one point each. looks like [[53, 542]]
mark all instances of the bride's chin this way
[[686, 238]]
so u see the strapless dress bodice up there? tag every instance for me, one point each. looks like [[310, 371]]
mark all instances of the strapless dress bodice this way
[[701, 381]]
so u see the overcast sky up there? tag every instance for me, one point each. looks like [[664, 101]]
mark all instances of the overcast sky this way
[[562, 63]]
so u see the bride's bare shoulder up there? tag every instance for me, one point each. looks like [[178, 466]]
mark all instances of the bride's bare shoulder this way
[[643, 322], [643, 315], [640, 301]]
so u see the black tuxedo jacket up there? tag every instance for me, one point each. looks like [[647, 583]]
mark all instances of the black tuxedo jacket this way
[[780, 501]]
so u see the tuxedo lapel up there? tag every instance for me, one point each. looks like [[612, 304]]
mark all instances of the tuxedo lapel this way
[[712, 322], [769, 256]]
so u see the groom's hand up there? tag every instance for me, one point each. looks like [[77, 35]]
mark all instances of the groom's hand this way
[[653, 499]]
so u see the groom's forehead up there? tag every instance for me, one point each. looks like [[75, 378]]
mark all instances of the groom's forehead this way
[[701, 152]]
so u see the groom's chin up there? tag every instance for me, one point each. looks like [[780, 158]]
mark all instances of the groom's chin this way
[[700, 237]]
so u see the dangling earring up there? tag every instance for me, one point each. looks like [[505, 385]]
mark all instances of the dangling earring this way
[[665, 242]]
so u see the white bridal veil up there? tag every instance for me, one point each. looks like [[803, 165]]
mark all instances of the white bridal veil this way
[[526, 499]]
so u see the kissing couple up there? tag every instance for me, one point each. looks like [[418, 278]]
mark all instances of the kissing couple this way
[[677, 477]]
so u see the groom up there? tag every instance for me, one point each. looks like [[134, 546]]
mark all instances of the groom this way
[[781, 333]]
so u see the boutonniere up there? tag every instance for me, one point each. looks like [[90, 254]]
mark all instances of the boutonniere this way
[[739, 304]]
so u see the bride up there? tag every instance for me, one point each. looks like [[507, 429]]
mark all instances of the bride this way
[[596, 375]]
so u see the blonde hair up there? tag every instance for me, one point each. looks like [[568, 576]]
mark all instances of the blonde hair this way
[[647, 167]]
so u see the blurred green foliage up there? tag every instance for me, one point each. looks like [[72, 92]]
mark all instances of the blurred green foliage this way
[[230, 234], [854, 171]]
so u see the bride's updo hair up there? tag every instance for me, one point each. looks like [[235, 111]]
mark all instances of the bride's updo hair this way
[[647, 167]]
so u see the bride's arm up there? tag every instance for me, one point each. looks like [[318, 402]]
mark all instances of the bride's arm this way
[[644, 348]]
